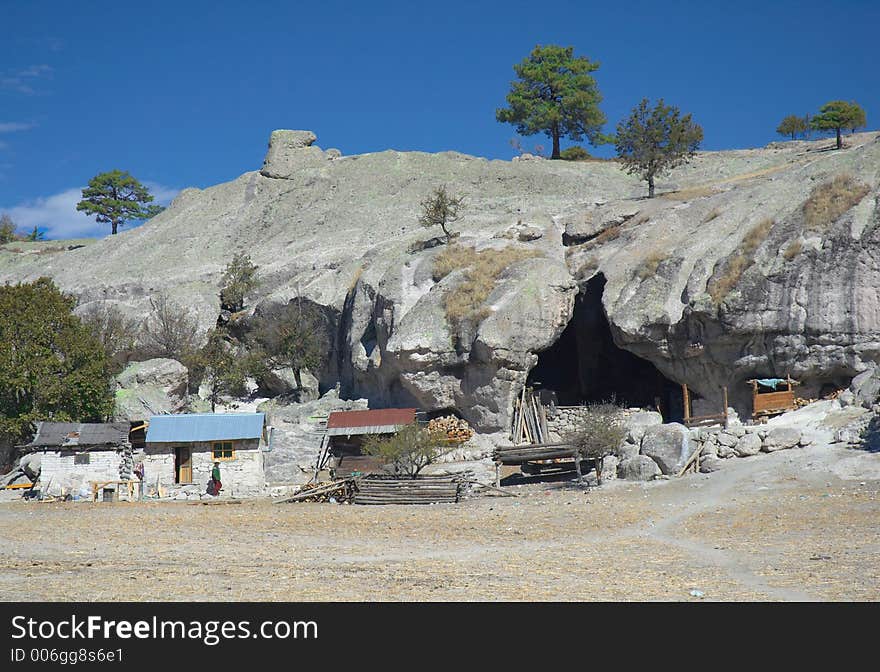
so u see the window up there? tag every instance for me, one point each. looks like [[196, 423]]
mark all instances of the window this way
[[81, 458], [222, 450]]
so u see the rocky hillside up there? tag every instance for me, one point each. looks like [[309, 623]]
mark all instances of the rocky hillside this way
[[748, 263]]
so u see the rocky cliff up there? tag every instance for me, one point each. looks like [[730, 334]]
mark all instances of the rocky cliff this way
[[724, 276]]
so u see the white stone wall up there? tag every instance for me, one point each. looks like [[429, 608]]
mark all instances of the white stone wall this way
[[242, 477], [58, 470]]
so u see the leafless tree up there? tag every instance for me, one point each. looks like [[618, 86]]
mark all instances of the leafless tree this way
[[169, 330]]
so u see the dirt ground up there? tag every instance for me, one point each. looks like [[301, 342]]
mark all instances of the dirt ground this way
[[781, 526]]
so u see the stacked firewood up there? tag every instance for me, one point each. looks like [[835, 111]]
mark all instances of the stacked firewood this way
[[339, 491], [456, 429]]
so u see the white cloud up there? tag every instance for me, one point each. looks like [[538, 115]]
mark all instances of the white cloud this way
[[14, 126], [23, 80], [58, 217]]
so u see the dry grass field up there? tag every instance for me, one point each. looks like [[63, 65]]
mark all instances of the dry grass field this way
[[770, 527]]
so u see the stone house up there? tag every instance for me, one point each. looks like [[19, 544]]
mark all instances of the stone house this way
[[180, 452], [73, 455]]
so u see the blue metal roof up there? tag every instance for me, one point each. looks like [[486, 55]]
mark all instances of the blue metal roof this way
[[193, 427]]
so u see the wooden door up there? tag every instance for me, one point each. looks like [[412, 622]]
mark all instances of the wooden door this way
[[183, 465]]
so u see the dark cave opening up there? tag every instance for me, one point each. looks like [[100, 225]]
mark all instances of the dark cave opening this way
[[584, 365]]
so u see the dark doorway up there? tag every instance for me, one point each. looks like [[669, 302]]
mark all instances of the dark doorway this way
[[585, 365]]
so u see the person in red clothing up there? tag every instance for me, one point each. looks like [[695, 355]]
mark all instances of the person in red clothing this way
[[215, 485]]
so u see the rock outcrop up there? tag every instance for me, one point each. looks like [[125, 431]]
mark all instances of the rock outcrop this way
[[152, 387], [343, 232]]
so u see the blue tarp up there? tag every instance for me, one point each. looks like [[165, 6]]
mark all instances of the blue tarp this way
[[771, 382], [193, 427]]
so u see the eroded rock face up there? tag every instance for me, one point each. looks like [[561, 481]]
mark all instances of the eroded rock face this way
[[343, 232]]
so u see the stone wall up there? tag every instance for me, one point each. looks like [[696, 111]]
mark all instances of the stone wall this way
[[243, 476], [563, 420], [59, 472]]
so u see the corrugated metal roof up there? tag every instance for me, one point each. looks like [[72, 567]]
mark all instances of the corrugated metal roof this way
[[188, 428], [79, 434], [377, 421], [355, 431]]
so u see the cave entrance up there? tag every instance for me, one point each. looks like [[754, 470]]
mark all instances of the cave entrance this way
[[584, 365]]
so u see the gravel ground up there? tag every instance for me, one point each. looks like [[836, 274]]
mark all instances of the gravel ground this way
[[771, 527]]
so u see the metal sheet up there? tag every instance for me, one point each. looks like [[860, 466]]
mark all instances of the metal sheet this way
[[193, 427]]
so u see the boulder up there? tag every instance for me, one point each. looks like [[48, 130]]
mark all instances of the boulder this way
[[278, 382], [152, 387], [609, 467], [749, 444], [160, 372], [627, 450], [637, 424], [710, 463], [726, 439], [710, 447], [529, 233], [668, 445], [638, 468], [30, 465], [866, 387], [725, 452], [780, 438]]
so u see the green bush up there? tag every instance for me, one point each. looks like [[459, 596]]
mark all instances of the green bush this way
[[574, 153], [410, 450]]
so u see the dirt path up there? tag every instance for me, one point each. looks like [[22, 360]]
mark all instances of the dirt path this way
[[770, 527]]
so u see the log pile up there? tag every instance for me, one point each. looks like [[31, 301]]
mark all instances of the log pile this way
[[529, 419], [521, 454], [376, 489], [455, 429]]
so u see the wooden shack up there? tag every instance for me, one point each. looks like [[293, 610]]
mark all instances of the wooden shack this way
[[346, 431], [771, 396]]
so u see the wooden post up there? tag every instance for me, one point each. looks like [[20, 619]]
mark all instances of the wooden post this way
[[687, 402], [600, 463], [577, 466], [497, 474], [724, 394]]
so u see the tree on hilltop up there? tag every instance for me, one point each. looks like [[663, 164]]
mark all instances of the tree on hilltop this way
[[793, 126], [556, 95], [116, 197], [838, 115], [653, 141], [7, 229]]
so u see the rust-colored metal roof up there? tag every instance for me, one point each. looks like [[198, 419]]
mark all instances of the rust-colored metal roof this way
[[380, 417]]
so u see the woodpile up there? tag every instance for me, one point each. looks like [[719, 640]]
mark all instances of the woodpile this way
[[801, 402], [455, 429], [422, 490], [340, 491], [529, 419]]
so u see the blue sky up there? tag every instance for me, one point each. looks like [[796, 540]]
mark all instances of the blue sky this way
[[186, 93]]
